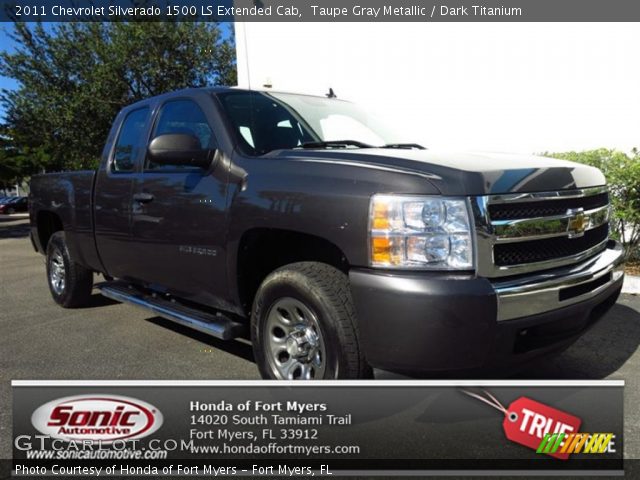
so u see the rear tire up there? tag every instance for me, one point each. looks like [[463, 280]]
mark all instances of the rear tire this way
[[70, 284], [304, 327]]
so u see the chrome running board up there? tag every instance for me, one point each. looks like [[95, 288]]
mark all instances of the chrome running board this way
[[215, 324]]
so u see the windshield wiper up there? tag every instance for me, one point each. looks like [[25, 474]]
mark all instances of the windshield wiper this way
[[407, 146], [356, 143], [335, 144]]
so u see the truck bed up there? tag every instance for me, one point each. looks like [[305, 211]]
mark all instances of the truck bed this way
[[69, 197]]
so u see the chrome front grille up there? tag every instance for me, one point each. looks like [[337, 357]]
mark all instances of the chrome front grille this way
[[542, 208], [521, 233], [532, 251]]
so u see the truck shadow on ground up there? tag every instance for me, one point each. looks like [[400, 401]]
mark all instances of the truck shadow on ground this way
[[601, 352], [239, 348], [10, 228], [98, 300]]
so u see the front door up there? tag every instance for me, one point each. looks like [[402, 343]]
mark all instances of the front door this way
[[178, 214], [113, 189]]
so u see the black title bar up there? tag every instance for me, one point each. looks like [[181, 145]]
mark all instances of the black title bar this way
[[320, 11]]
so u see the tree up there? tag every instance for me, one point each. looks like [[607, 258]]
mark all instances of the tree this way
[[75, 77], [623, 176]]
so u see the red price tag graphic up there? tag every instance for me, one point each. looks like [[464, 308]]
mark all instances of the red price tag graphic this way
[[526, 421]]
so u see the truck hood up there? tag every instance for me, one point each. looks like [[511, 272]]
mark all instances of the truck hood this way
[[465, 173]]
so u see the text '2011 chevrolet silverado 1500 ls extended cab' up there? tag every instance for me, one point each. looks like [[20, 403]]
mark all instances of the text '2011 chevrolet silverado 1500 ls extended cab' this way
[[297, 221]]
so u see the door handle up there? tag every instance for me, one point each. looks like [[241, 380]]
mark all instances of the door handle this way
[[143, 197]]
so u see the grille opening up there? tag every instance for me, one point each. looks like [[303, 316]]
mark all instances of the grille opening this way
[[571, 292], [546, 208], [532, 251]]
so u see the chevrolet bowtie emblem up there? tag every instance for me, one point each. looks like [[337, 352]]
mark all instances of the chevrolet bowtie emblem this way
[[578, 222]]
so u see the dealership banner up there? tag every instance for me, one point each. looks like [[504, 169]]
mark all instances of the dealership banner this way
[[320, 11], [333, 428]]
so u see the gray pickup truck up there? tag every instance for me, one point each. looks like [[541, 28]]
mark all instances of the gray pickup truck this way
[[302, 223]]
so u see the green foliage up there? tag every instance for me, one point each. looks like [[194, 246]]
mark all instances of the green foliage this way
[[75, 77], [623, 176]]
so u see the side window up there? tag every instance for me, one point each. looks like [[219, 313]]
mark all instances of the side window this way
[[182, 116], [130, 141]]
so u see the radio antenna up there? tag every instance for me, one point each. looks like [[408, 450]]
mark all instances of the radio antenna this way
[[246, 53]]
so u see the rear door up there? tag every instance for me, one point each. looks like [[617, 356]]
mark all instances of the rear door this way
[[178, 213]]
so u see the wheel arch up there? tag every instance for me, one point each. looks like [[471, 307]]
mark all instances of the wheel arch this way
[[47, 223], [263, 250]]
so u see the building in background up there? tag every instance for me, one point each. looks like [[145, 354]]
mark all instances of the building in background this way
[[17, 190], [517, 87]]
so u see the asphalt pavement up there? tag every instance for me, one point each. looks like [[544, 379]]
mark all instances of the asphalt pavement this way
[[108, 340]]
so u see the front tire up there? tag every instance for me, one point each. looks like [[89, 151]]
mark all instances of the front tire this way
[[70, 284], [303, 325]]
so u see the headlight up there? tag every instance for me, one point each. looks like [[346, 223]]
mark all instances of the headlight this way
[[420, 232]]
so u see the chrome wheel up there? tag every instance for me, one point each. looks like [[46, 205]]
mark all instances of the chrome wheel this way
[[57, 272], [293, 342]]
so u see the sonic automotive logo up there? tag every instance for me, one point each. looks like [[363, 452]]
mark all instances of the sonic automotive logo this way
[[104, 418]]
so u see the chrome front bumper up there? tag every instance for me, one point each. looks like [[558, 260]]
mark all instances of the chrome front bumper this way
[[560, 287]]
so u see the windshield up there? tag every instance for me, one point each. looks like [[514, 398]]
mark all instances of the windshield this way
[[273, 121]]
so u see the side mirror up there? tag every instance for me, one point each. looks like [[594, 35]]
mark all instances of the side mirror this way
[[179, 149]]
